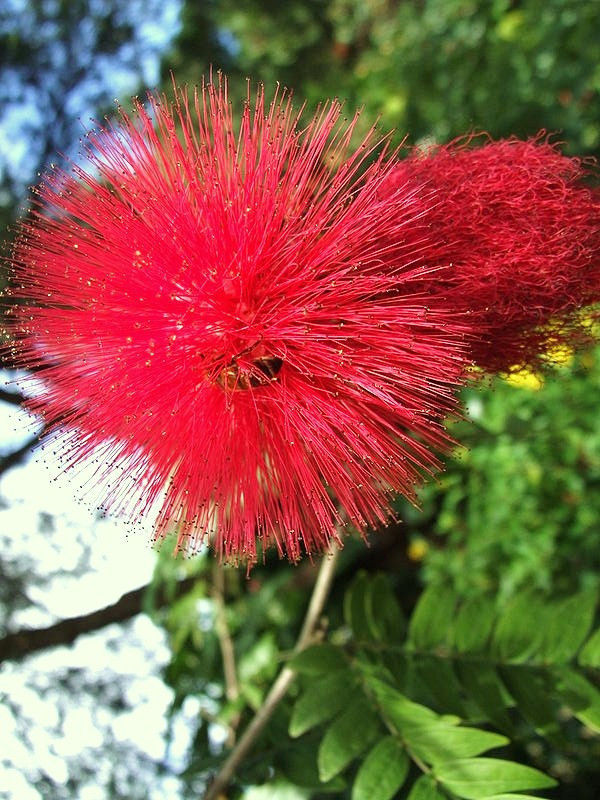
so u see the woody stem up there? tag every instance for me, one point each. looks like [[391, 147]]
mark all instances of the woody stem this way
[[282, 683]]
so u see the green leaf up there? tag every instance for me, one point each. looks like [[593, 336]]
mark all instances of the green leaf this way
[[483, 686], [319, 659], [438, 676], [383, 613], [355, 608], [398, 709], [260, 661], [299, 765], [510, 797], [520, 629], [432, 619], [535, 696], [321, 701], [474, 778], [425, 789], [473, 625], [346, 738], [383, 771], [590, 653], [569, 625], [582, 697], [442, 742]]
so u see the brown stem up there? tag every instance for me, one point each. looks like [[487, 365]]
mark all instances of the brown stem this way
[[232, 689], [23, 642], [282, 683]]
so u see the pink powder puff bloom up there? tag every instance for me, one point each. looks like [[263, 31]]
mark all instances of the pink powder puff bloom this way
[[206, 306], [519, 231]]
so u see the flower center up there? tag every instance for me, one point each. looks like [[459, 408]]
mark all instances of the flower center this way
[[260, 372]]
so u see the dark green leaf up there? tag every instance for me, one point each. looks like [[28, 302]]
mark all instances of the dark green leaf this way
[[438, 676], [319, 659], [383, 771], [346, 738], [355, 607], [520, 630], [474, 778], [473, 625], [590, 653], [484, 687], [299, 765], [535, 696], [383, 612], [432, 620], [568, 626], [321, 701], [581, 696]]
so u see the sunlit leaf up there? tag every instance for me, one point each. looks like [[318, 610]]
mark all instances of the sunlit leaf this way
[[383, 771], [425, 789], [398, 709], [441, 742], [474, 778]]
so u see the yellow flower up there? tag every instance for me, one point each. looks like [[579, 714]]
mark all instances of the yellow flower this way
[[417, 549], [524, 379], [559, 355]]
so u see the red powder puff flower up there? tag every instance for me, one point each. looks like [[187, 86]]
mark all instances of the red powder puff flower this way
[[208, 306], [520, 232]]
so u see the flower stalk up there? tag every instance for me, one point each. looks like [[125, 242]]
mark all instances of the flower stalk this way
[[283, 681]]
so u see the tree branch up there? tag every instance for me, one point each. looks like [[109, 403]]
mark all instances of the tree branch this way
[[24, 642], [282, 683], [14, 458], [14, 398]]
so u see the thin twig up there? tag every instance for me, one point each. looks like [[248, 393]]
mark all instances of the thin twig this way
[[282, 683], [14, 398], [232, 689]]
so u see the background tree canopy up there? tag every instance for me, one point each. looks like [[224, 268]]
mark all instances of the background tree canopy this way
[[470, 627]]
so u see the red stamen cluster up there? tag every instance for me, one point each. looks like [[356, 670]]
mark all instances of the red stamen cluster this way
[[518, 234], [207, 308]]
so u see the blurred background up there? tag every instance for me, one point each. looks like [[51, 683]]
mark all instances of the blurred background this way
[[110, 670]]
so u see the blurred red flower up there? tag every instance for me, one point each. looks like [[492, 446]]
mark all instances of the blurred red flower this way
[[519, 231], [207, 302]]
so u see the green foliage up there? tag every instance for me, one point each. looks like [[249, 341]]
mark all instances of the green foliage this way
[[383, 771], [523, 654], [371, 719], [519, 503], [527, 676], [432, 68]]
